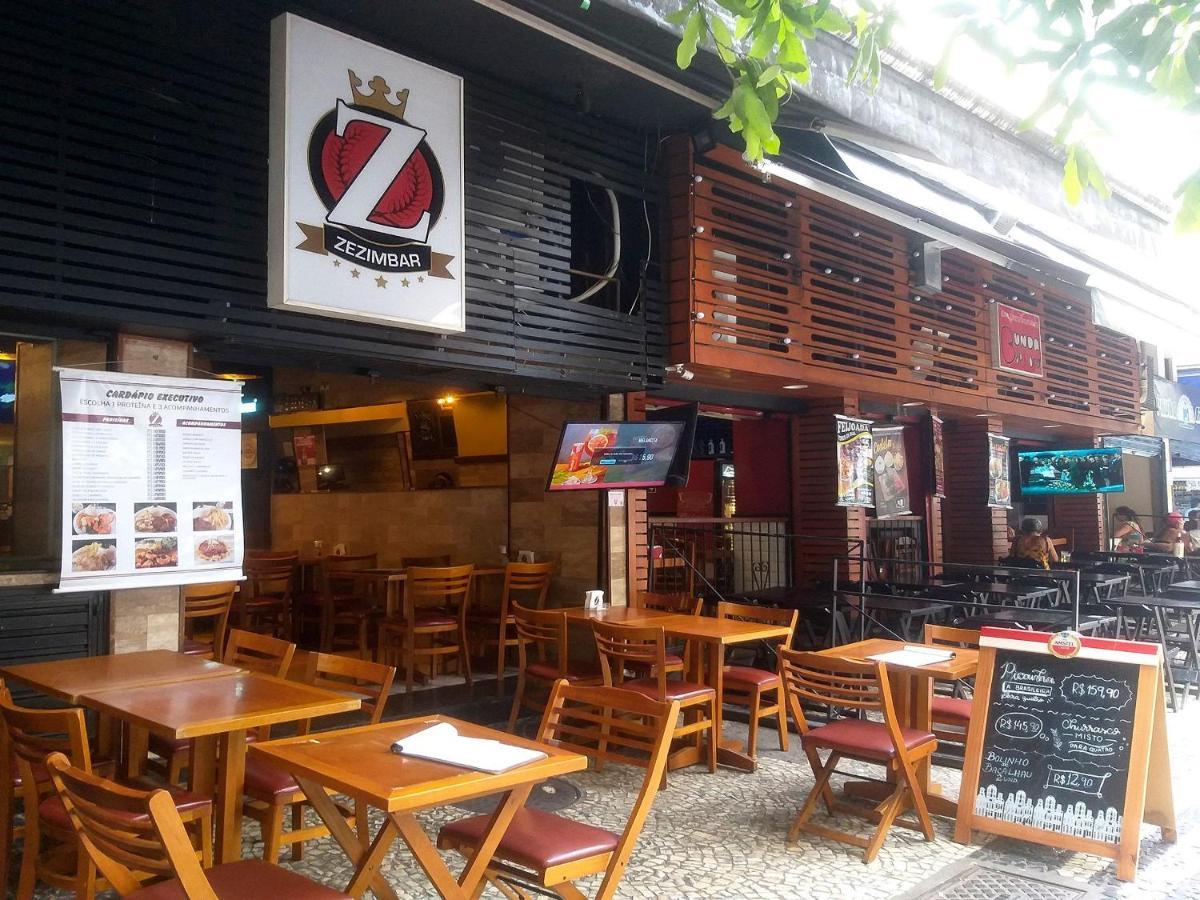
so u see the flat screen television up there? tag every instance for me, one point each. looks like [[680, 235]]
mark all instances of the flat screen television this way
[[686, 413], [8, 389], [1087, 471], [614, 455]]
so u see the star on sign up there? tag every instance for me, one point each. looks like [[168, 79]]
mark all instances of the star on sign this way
[[354, 273], [337, 263], [381, 282], [404, 282], [420, 278]]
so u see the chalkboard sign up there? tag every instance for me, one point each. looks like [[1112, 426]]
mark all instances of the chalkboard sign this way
[[1067, 744], [1056, 746]]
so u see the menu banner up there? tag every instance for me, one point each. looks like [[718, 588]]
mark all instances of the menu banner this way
[[152, 488], [939, 457], [855, 454], [999, 481], [891, 473]]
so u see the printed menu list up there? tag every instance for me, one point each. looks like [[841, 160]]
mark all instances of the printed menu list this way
[[151, 480], [1056, 749]]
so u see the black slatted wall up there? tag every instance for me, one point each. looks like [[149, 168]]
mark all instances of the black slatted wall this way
[[133, 187]]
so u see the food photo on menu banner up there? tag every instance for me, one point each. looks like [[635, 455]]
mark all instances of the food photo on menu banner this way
[[93, 556], [93, 518], [155, 553], [211, 516], [155, 518]]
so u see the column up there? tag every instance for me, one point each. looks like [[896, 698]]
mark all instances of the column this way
[[972, 532]]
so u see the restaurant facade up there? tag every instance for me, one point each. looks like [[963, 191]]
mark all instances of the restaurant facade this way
[[614, 261]]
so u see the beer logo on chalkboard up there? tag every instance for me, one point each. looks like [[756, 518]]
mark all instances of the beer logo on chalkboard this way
[[380, 181], [1065, 644]]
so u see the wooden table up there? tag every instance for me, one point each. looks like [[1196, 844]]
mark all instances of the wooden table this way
[[70, 679], [215, 714], [392, 580], [715, 635], [358, 762], [912, 695]]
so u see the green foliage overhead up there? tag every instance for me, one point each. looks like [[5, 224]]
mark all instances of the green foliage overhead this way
[[1150, 47]]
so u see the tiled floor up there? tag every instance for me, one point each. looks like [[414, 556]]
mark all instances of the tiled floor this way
[[721, 836]]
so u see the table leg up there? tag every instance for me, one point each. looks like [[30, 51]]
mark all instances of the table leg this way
[[231, 778], [1160, 621], [477, 863], [202, 767], [137, 745], [366, 860]]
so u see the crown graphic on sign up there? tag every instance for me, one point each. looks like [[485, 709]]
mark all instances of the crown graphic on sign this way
[[378, 98]]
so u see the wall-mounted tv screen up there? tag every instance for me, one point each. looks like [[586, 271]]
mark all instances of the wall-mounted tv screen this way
[[1089, 471], [614, 455]]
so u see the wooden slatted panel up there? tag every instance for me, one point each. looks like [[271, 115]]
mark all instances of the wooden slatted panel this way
[[134, 172], [779, 280], [971, 531], [638, 518]]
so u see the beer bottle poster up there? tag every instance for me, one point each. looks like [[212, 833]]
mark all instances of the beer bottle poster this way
[[939, 456], [891, 473], [855, 457], [999, 483]]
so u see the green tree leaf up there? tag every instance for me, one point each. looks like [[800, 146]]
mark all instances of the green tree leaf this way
[[690, 42], [1071, 184]]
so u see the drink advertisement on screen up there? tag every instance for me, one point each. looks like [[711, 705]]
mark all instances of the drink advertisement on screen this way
[[603, 455], [152, 480]]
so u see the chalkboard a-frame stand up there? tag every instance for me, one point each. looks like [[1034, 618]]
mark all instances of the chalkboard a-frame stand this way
[[1072, 752]]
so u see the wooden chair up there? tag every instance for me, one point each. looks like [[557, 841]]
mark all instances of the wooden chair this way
[[246, 650], [51, 849], [271, 792], [425, 562], [133, 836], [746, 685], [434, 609], [552, 851], [207, 602], [863, 687], [678, 655], [528, 583], [344, 605], [545, 630], [619, 646], [951, 713], [265, 601], [10, 793]]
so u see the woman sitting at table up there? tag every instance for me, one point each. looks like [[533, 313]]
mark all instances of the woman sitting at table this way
[[1031, 544], [1192, 527], [1170, 535], [1128, 536]]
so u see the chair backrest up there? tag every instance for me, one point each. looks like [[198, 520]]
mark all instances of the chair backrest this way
[[258, 652], [209, 601], [32, 734], [443, 586], [545, 629], [620, 645], [761, 615], [269, 576], [834, 681], [630, 727], [370, 680], [951, 636], [528, 583], [334, 573], [682, 603], [125, 830]]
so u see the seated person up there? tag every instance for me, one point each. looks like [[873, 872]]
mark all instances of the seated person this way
[[1192, 527], [1171, 534], [1031, 544], [1128, 536]]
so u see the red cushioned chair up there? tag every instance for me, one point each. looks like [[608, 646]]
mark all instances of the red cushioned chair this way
[[545, 631], [550, 851], [270, 792], [51, 853], [134, 836], [951, 713], [679, 604], [433, 623], [746, 685], [620, 645], [207, 602], [863, 687], [526, 583]]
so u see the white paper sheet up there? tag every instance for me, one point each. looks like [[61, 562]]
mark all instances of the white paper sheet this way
[[443, 743], [914, 656]]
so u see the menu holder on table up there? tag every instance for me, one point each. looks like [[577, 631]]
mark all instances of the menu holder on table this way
[[914, 656], [442, 743]]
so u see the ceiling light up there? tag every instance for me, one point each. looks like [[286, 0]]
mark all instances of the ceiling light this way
[[914, 403], [794, 387], [1052, 426]]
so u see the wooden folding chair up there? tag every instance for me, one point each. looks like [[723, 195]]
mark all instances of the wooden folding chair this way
[[545, 630], [951, 713], [863, 687], [527, 583], [747, 685], [51, 847], [434, 610], [134, 836], [550, 851], [207, 603], [271, 792], [246, 650], [619, 646]]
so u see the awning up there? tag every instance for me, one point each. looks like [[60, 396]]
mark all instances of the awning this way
[[1137, 444]]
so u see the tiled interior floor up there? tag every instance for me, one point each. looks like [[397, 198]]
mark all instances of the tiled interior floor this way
[[721, 836]]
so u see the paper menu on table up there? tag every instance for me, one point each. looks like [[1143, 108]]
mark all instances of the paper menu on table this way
[[443, 743], [914, 656]]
